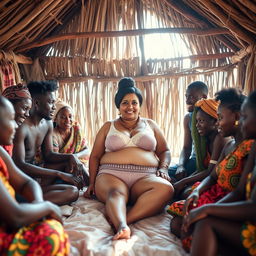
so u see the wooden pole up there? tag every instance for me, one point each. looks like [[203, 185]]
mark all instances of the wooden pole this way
[[136, 32], [144, 78]]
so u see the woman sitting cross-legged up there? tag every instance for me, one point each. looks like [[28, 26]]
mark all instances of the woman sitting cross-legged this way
[[67, 135], [229, 226], [32, 228], [129, 163]]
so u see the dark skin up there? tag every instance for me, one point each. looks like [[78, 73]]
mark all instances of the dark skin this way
[[220, 224], [192, 96], [35, 133], [206, 126], [13, 214], [227, 128]]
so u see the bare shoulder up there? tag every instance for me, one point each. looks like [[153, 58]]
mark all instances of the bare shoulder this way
[[105, 128], [151, 122]]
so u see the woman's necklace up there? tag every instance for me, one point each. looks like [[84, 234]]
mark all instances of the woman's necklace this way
[[127, 127]]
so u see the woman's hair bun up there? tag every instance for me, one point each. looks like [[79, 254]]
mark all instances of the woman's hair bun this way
[[126, 82]]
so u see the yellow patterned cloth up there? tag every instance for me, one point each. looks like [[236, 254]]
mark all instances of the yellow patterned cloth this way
[[42, 238], [75, 143]]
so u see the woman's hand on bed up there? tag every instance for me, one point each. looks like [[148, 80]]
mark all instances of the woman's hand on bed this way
[[89, 192], [163, 173]]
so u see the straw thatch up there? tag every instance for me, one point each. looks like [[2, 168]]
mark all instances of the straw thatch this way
[[89, 45]]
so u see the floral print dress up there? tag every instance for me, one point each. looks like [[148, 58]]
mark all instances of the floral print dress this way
[[46, 237]]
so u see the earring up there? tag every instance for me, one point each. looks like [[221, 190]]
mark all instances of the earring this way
[[236, 123]]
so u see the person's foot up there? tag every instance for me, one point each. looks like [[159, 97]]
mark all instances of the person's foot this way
[[123, 232]]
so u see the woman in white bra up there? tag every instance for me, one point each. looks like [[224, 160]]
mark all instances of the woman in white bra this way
[[129, 163]]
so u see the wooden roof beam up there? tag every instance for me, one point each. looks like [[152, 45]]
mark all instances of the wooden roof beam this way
[[136, 32]]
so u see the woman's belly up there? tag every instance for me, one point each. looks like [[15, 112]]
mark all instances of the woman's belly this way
[[130, 155]]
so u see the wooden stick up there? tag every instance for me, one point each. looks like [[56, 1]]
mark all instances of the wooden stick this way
[[227, 22], [137, 32], [69, 80]]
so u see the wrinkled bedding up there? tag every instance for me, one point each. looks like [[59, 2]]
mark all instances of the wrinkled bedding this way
[[91, 234]]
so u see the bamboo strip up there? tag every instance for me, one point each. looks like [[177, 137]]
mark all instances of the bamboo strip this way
[[227, 22]]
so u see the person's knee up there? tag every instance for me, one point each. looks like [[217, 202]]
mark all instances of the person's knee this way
[[166, 190], [114, 193], [72, 193]]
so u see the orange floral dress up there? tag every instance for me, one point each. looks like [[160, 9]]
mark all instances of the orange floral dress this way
[[45, 238], [228, 171]]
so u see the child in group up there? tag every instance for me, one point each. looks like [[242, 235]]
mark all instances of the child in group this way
[[187, 161], [229, 226], [31, 228]]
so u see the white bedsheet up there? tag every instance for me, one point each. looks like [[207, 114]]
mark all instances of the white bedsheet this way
[[90, 234]]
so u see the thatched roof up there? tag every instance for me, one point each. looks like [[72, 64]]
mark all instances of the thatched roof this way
[[89, 43]]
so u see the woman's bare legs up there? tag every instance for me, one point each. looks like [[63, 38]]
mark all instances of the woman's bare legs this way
[[217, 234], [114, 193], [60, 194], [150, 195]]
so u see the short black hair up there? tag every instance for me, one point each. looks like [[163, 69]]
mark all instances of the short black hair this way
[[198, 85], [231, 98], [42, 87], [126, 86]]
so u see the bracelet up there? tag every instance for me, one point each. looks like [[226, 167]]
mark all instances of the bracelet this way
[[213, 161], [163, 166]]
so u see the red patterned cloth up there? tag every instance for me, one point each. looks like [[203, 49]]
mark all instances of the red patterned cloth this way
[[45, 237], [7, 75]]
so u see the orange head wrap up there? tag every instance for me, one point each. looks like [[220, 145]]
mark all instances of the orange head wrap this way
[[17, 92], [209, 106]]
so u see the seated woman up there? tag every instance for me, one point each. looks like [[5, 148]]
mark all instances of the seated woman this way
[[21, 100], [67, 136], [29, 228], [225, 177], [129, 163], [208, 144], [229, 227]]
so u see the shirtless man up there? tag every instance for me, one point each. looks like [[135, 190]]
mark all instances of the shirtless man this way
[[187, 160], [33, 151]]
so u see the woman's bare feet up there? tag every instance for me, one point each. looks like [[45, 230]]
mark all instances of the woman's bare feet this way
[[123, 232]]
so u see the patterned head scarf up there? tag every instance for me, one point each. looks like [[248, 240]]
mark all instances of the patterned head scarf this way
[[17, 92], [209, 106], [59, 104]]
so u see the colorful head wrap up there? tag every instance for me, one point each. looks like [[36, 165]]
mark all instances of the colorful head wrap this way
[[59, 104], [209, 106], [17, 92]]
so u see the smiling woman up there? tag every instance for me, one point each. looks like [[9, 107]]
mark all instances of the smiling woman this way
[[21, 100], [129, 162]]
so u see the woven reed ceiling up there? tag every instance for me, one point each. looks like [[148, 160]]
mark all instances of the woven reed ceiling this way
[[23, 22]]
